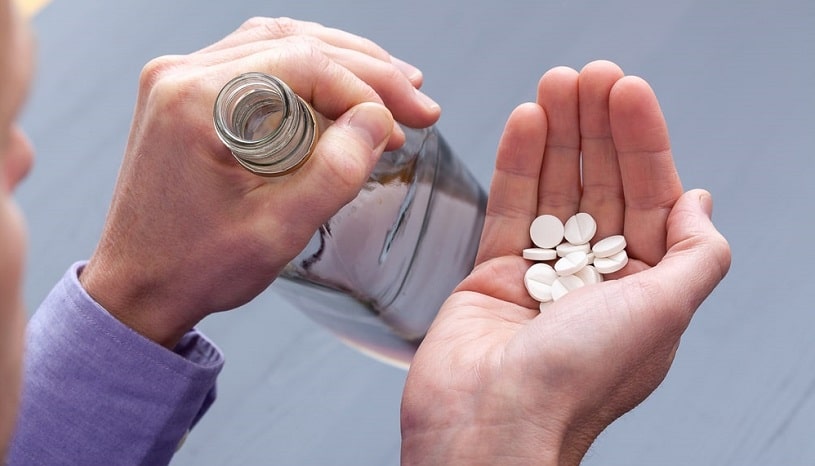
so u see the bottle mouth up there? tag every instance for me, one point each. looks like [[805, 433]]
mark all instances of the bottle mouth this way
[[251, 107], [269, 129]]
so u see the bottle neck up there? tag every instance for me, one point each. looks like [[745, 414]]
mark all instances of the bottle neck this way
[[270, 130]]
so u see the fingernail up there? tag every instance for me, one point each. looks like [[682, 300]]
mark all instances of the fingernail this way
[[427, 101], [413, 74], [706, 202], [373, 122]]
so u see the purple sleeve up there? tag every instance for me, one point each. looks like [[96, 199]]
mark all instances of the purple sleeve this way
[[97, 393]]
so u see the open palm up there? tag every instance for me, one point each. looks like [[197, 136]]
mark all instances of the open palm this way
[[497, 380]]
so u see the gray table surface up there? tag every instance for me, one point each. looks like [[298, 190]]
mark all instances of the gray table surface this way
[[735, 81]]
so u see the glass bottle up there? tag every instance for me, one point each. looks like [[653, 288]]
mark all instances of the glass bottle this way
[[378, 271]]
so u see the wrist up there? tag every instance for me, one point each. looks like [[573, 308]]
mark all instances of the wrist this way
[[485, 434], [478, 445], [493, 427], [135, 302]]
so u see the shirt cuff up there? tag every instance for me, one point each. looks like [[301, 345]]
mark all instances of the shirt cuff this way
[[94, 389]]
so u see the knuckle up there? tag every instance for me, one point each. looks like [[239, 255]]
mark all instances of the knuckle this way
[[252, 23], [174, 97], [156, 70], [283, 26], [274, 27], [392, 74]]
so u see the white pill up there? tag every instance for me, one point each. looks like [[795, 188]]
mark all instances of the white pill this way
[[540, 292], [538, 281], [565, 284], [607, 247], [580, 228], [590, 257], [589, 275], [571, 263], [541, 273], [546, 231], [612, 263], [565, 248], [539, 254]]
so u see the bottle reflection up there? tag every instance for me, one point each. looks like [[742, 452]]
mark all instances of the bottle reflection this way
[[378, 271]]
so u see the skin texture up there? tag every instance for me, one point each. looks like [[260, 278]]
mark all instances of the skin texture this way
[[181, 199], [190, 233], [16, 65], [498, 382]]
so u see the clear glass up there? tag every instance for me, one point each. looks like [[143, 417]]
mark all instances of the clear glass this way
[[270, 130], [378, 271]]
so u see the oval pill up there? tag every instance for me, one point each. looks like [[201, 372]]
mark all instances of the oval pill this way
[[539, 254], [612, 263], [580, 228], [607, 247], [546, 231], [571, 263]]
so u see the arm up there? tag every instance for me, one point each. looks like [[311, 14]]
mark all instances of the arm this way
[[114, 367], [96, 390], [496, 381], [189, 232]]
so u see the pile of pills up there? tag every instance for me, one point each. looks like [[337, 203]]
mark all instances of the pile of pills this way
[[565, 259]]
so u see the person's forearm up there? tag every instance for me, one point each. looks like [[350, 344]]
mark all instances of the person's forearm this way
[[96, 392]]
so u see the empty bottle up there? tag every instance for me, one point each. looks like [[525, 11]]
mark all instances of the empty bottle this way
[[378, 271]]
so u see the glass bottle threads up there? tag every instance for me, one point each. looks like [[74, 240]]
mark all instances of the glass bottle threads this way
[[269, 129]]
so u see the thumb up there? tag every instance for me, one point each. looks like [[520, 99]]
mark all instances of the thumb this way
[[698, 256], [342, 161]]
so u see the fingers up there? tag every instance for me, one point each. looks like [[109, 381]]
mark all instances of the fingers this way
[[650, 182], [602, 187], [559, 189], [512, 203], [607, 152], [408, 105], [260, 34], [341, 163], [260, 29], [694, 242], [331, 69]]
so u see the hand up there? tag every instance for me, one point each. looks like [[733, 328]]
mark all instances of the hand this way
[[190, 232], [498, 382]]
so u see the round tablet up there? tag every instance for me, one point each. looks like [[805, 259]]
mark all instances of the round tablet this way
[[608, 246], [564, 284], [611, 263], [564, 249], [546, 231], [539, 254], [541, 273], [589, 275], [580, 228], [540, 292], [571, 263], [538, 281]]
